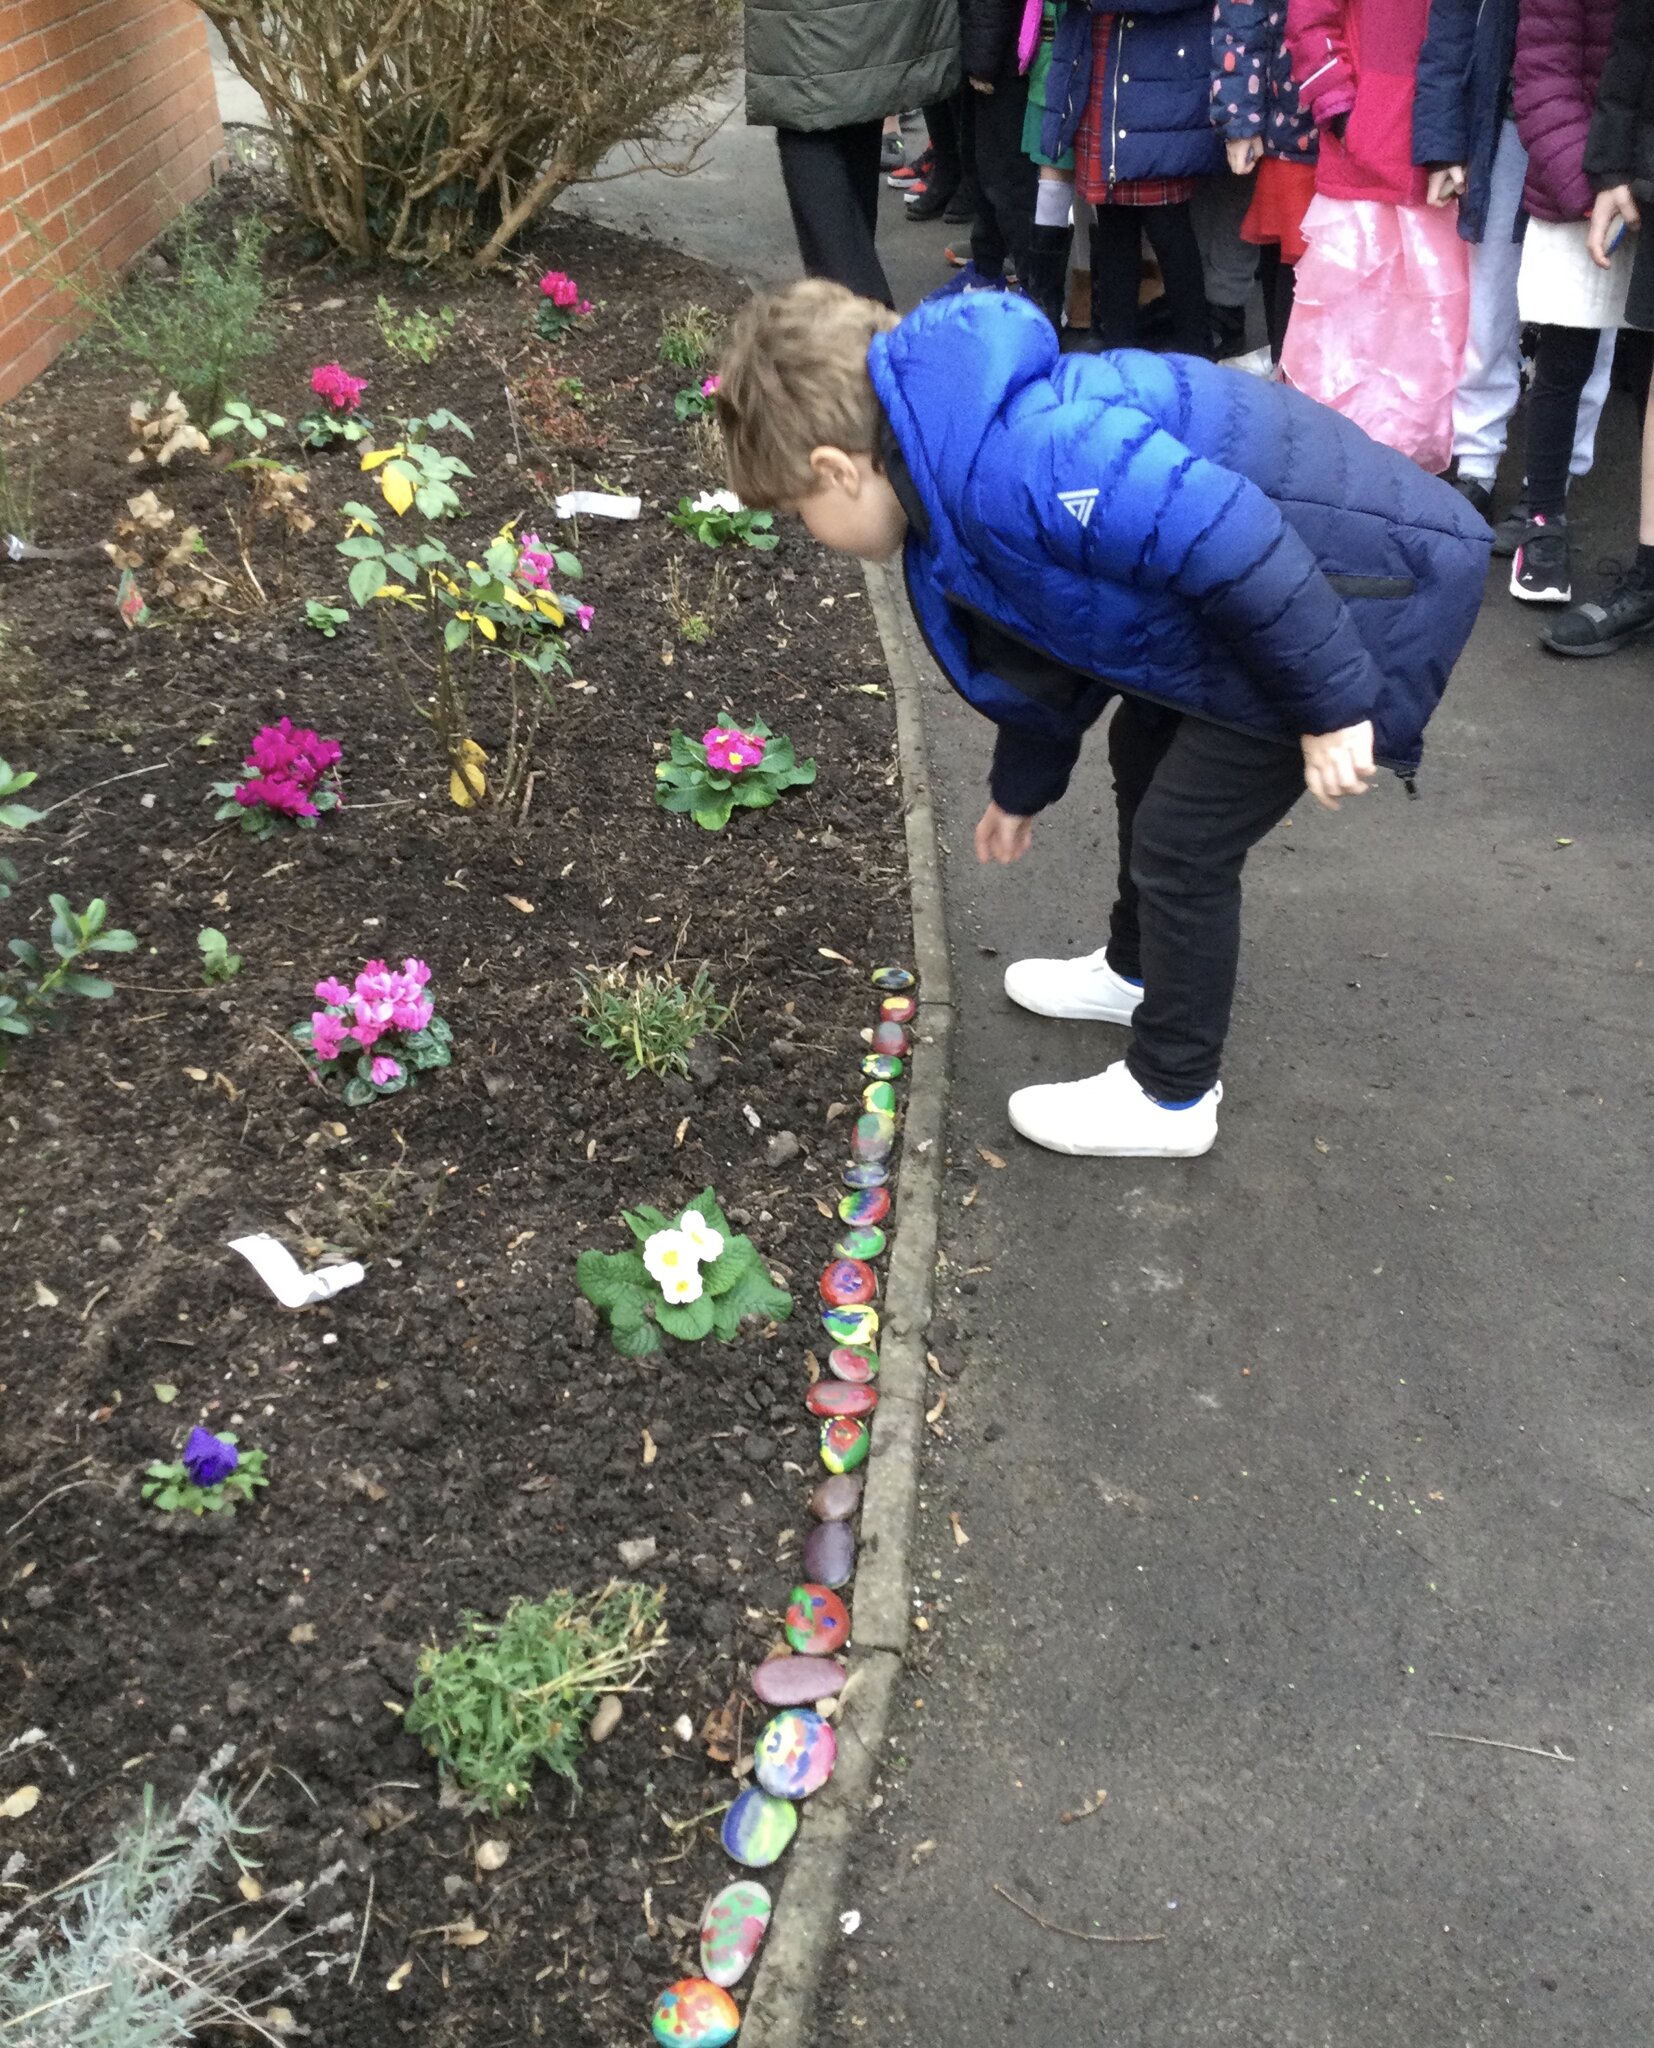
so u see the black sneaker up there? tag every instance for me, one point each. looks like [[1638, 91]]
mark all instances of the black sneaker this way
[[965, 204], [1507, 534], [1541, 572], [891, 153], [1624, 615], [1480, 499], [930, 203]]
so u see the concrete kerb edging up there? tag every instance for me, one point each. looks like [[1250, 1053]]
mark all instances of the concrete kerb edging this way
[[805, 1923]]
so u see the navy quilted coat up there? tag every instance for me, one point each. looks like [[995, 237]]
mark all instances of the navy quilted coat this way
[[1561, 47], [1459, 101], [1168, 528], [1156, 88]]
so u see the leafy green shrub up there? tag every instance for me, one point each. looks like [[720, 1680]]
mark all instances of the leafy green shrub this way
[[718, 516], [647, 1019], [728, 770], [420, 337], [688, 338], [518, 1693], [30, 992], [218, 963], [693, 1278]]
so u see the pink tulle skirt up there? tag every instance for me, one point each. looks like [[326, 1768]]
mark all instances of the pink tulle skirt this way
[[1378, 320]]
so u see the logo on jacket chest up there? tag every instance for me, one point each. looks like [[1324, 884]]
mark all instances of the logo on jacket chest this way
[[1079, 503]]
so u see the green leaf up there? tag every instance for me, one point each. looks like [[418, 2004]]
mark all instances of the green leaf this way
[[357, 1091], [754, 1294], [92, 985], [19, 815], [644, 1221], [738, 1254], [713, 816], [641, 1342], [690, 1320], [606, 1278], [455, 634], [27, 952], [15, 1026], [365, 578], [116, 941]]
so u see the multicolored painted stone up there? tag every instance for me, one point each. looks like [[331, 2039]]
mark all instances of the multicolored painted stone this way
[[869, 1205], [795, 1753], [818, 1622], [866, 1173], [797, 1681], [880, 1098], [696, 2014], [758, 1827], [847, 1283], [896, 978], [881, 1066], [860, 1243], [732, 1928], [898, 1010], [851, 1326], [858, 1367], [873, 1136], [890, 1039], [830, 1554], [836, 1498], [844, 1442], [841, 1397]]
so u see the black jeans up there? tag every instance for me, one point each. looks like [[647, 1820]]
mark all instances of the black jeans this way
[[1192, 799], [832, 180], [1009, 181], [1117, 270], [1561, 369]]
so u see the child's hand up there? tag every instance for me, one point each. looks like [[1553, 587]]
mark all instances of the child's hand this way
[[1447, 183], [1002, 838], [1612, 208], [1336, 764], [1243, 155]]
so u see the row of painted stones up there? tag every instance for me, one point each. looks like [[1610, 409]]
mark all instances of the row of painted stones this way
[[797, 1749]]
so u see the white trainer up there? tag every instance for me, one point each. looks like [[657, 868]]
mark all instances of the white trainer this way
[[1088, 989], [1110, 1117]]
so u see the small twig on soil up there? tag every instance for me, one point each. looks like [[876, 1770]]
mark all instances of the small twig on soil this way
[[56, 1490], [126, 775], [1076, 1933], [1090, 1807], [1555, 1756], [367, 1922], [287, 1045]]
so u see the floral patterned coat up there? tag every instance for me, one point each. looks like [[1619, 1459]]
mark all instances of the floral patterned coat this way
[[1253, 89]]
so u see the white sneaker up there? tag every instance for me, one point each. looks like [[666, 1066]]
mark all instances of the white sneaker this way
[[1088, 989], [1110, 1117]]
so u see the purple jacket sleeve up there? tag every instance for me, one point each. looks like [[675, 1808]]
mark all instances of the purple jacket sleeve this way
[[1552, 101]]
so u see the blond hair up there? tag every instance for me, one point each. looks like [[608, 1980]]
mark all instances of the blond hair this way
[[793, 378]]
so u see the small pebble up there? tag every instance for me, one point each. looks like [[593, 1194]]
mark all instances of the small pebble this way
[[607, 1718], [636, 1551]]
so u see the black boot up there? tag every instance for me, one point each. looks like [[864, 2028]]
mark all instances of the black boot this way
[[1047, 280]]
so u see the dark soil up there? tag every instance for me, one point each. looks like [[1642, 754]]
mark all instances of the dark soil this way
[[453, 1432]]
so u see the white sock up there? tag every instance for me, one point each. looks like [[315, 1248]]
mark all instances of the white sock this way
[[1053, 203]]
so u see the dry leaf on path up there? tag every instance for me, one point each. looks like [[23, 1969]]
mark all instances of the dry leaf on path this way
[[827, 953], [969, 1197], [960, 1539], [651, 1450], [935, 1414], [721, 1731], [990, 1158]]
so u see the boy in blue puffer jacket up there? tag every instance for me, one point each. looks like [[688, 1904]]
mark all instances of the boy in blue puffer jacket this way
[[1276, 600]]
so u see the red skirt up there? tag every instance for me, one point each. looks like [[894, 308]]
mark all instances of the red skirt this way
[[1091, 151], [1281, 192]]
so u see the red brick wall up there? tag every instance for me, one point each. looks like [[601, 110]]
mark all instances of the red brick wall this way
[[108, 124]]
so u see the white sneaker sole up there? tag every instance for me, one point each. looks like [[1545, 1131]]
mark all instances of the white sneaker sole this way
[[1557, 593], [1078, 1149], [1071, 1013]]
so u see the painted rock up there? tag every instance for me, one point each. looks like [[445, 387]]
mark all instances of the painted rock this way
[[866, 1173], [836, 1498], [732, 1927], [898, 1010], [851, 1326], [818, 1623], [795, 1753], [756, 1831], [870, 1205], [797, 1681], [847, 1283], [858, 1367], [873, 1136], [844, 1442], [881, 1066], [893, 978], [830, 1554], [891, 1039], [860, 1243], [695, 2014], [879, 1097], [841, 1397]]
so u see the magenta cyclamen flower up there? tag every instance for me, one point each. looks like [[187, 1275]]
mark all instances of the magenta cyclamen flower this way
[[709, 385], [564, 293], [341, 390], [288, 761], [534, 563], [382, 1000], [585, 613], [732, 750], [208, 1459], [383, 1070]]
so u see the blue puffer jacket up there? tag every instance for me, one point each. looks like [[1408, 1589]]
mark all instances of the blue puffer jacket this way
[[1156, 88], [1462, 95], [1166, 527]]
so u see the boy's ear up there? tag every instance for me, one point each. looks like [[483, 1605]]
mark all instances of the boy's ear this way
[[833, 469]]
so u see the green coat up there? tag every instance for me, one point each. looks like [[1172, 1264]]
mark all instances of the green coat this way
[[826, 63]]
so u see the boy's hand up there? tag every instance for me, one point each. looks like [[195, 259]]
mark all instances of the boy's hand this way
[[1243, 155], [1447, 183], [1612, 207], [1002, 838], [1336, 764]]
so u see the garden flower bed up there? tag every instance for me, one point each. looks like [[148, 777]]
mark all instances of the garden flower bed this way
[[456, 1432]]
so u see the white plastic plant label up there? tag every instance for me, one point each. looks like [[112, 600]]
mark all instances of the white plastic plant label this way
[[287, 1280]]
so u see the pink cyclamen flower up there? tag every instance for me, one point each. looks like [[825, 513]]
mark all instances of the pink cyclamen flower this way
[[585, 613], [732, 750], [709, 385], [327, 1035], [341, 390], [564, 293], [534, 562], [333, 992], [383, 1070], [276, 793]]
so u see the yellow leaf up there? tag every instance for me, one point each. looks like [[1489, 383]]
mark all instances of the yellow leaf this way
[[486, 627], [515, 598], [375, 456], [548, 609], [398, 488], [470, 751], [24, 1800], [460, 792], [391, 590]]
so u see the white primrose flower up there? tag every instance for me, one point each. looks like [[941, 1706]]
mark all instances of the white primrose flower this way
[[707, 1242], [684, 1287], [670, 1256], [717, 501]]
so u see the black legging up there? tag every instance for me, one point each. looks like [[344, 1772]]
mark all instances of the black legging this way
[[1116, 273], [1009, 181], [1279, 281], [832, 181], [1560, 371]]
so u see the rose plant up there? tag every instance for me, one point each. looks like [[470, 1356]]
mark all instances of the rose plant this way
[[290, 777], [693, 1278], [560, 306], [210, 1475], [728, 769], [378, 1033], [342, 420]]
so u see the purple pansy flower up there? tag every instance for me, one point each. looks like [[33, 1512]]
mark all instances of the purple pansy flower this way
[[209, 1459]]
